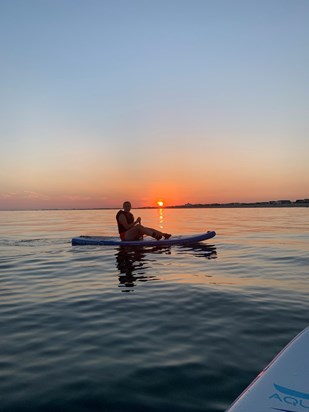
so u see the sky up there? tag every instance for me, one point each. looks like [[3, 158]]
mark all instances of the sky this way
[[185, 101]]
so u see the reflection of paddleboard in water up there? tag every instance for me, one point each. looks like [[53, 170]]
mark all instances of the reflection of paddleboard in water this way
[[115, 241], [283, 385]]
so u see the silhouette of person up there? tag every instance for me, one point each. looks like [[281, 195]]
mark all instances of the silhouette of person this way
[[130, 229]]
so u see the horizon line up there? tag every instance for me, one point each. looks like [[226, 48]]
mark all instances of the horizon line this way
[[269, 203]]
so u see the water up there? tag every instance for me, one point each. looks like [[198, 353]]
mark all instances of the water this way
[[90, 328]]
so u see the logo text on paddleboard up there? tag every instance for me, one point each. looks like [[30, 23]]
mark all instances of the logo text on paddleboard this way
[[290, 397]]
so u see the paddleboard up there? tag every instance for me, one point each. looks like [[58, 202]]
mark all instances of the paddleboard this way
[[147, 241], [283, 385]]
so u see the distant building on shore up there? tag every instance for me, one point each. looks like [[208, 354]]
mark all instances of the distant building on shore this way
[[280, 202], [302, 201]]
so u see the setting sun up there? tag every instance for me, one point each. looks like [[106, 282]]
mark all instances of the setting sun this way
[[160, 203]]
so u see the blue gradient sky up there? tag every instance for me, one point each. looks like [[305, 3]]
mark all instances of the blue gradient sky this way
[[189, 101]]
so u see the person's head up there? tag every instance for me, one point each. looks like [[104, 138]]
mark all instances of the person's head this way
[[127, 206]]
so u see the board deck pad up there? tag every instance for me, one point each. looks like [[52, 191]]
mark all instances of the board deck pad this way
[[283, 385], [147, 241]]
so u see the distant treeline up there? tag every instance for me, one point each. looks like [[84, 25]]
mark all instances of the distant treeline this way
[[271, 203]]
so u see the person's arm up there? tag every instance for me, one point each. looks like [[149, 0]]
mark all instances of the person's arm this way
[[127, 225]]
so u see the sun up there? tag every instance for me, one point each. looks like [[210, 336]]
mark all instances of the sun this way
[[160, 203]]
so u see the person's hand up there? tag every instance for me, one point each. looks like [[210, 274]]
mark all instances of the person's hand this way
[[138, 220]]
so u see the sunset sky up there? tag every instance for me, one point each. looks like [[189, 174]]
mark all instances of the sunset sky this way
[[196, 101]]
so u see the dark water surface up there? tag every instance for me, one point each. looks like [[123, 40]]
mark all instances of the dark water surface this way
[[153, 329]]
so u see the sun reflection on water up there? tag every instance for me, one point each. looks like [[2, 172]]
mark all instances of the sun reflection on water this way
[[161, 218]]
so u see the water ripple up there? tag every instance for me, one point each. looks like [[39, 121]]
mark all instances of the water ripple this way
[[194, 322]]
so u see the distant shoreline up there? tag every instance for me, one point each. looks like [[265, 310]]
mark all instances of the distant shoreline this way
[[236, 205], [271, 204]]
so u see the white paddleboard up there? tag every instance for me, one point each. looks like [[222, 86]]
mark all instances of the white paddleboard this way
[[147, 241], [283, 385]]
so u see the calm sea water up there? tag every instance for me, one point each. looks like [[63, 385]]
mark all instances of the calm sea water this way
[[89, 328]]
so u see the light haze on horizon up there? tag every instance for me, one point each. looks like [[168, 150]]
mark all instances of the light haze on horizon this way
[[186, 101]]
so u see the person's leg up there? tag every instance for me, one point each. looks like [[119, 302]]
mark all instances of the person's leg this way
[[148, 231], [138, 231], [133, 233]]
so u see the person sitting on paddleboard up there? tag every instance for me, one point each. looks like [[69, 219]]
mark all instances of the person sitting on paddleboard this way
[[130, 229]]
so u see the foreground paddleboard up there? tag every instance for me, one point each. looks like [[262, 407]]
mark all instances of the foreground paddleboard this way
[[283, 385], [148, 241]]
